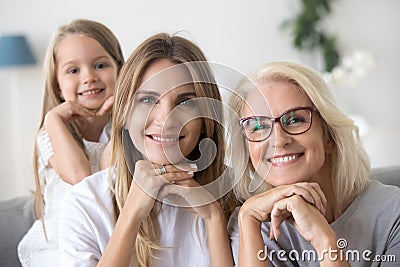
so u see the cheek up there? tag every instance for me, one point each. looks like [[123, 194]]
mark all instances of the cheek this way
[[255, 152]]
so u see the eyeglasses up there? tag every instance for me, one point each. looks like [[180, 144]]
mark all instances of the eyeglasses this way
[[294, 121]]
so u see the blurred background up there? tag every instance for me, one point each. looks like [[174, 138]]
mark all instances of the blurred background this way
[[241, 34]]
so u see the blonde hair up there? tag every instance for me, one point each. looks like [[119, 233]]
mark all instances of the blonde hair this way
[[349, 162], [177, 50], [52, 97]]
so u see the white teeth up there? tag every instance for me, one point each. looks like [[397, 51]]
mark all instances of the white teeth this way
[[91, 92], [284, 159], [161, 139]]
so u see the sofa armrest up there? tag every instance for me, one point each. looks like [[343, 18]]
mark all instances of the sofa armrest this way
[[16, 217], [387, 175]]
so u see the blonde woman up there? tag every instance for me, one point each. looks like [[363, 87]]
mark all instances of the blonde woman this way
[[316, 205], [150, 208]]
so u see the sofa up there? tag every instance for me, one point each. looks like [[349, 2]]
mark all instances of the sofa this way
[[16, 216]]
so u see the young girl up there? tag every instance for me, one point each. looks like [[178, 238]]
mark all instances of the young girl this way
[[82, 63], [155, 211], [317, 206]]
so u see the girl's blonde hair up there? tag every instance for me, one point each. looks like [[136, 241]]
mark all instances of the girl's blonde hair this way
[[177, 50], [52, 98], [349, 162]]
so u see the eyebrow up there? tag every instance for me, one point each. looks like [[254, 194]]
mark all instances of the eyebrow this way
[[147, 92], [73, 61]]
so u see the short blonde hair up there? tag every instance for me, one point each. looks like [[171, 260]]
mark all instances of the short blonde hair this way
[[349, 161]]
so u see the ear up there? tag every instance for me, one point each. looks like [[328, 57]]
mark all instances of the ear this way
[[329, 146]]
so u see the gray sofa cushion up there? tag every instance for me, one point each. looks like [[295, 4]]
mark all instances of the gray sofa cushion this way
[[387, 175], [16, 217]]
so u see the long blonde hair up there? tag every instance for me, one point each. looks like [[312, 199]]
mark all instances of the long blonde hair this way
[[349, 162], [177, 50], [52, 97]]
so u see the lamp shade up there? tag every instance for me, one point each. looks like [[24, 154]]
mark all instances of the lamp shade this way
[[15, 51]]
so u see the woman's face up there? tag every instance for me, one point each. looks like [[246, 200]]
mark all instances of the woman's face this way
[[284, 158], [164, 121]]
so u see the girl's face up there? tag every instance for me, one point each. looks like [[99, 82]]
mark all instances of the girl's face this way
[[164, 122], [284, 158], [86, 73]]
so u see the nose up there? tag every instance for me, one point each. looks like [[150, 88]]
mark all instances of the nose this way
[[279, 138], [88, 75], [163, 115]]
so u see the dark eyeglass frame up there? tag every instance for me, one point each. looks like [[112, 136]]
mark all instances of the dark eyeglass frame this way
[[277, 119]]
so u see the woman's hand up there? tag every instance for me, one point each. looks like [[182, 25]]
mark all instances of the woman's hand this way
[[147, 183], [259, 207]]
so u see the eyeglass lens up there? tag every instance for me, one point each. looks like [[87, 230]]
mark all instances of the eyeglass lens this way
[[259, 128]]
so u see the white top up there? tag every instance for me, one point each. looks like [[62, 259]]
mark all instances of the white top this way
[[34, 250], [88, 219]]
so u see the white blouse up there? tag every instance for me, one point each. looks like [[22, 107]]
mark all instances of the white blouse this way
[[34, 249]]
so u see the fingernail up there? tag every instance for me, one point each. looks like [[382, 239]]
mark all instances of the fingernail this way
[[190, 172], [193, 166]]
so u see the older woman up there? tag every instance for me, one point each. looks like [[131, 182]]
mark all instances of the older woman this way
[[315, 205]]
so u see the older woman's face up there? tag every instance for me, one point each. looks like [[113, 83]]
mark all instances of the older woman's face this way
[[284, 158]]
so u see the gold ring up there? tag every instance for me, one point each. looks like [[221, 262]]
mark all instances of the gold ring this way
[[162, 170]]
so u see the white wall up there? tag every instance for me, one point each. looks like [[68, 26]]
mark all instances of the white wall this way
[[241, 34]]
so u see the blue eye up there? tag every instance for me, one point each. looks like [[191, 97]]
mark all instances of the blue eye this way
[[148, 100], [188, 102]]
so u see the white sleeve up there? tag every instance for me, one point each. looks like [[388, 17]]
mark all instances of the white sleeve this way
[[233, 231], [87, 220], [78, 244], [44, 149]]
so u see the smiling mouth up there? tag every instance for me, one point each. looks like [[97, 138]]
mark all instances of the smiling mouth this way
[[284, 159], [163, 139], [91, 92]]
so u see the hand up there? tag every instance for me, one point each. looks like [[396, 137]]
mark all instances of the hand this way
[[259, 207], [305, 217], [147, 183], [68, 111], [192, 196], [106, 107]]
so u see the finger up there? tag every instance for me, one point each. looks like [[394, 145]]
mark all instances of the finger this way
[[279, 213], [165, 169], [322, 196], [308, 192], [177, 177], [181, 167], [71, 111], [317, 195], [106, 107]]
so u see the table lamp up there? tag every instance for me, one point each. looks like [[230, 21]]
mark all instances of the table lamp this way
[[15, 53]]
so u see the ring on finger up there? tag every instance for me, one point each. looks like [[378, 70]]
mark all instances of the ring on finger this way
[[162, 170]]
